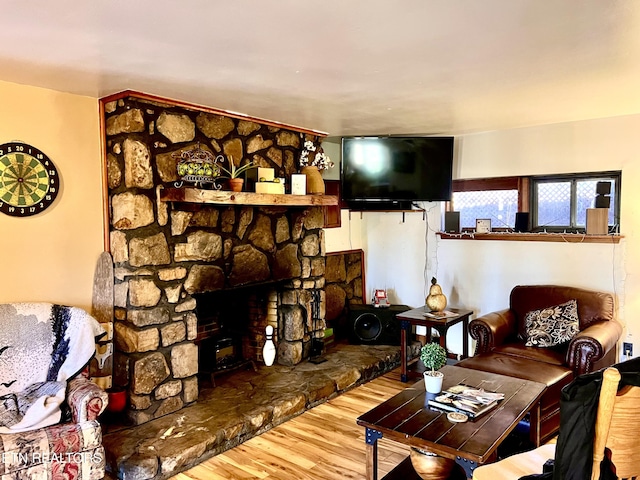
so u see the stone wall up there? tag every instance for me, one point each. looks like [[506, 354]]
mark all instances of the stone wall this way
[[345, 284], [165, 253]]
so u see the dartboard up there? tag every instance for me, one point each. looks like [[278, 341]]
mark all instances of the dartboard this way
[[28, 180]]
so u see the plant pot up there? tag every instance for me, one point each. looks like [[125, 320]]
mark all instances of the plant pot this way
[[315, 182], [430, 466], [235, 184], [433, 381], [117, 399]]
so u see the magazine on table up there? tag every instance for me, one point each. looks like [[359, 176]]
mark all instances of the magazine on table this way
[[440, 315], [471, 401]]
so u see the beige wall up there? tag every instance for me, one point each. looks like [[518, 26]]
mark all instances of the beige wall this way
[[479, 275], [51, 256]]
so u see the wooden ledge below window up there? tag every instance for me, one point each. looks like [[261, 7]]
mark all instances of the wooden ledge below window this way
[[221, 197], [533, 237]]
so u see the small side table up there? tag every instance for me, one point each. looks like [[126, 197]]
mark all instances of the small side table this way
[[417, 317]]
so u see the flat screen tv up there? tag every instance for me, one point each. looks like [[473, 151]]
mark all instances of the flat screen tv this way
[[394, 172]]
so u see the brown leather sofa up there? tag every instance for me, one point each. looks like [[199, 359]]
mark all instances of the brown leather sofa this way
[[500, 346]]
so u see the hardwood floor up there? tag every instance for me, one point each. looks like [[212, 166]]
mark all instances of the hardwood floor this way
[[324, 443]]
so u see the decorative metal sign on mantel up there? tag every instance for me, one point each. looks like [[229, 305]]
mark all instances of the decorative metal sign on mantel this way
[[198, 166]]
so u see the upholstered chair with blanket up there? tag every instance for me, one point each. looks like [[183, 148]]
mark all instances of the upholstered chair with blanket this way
[[48, 407], [549, 334]]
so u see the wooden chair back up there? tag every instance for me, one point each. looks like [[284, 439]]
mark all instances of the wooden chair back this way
[[617, 431], [617, 427]]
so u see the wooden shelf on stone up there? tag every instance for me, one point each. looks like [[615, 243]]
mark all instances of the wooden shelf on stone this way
[[220, 197]]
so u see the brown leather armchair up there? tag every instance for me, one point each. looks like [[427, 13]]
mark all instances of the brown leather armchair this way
[[500, 346]]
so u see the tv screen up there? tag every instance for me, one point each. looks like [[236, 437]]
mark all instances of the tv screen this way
[[396, 170]]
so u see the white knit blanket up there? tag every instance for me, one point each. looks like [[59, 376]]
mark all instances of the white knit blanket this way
[[42, 346]]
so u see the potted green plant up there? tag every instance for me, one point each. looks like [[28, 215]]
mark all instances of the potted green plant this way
[[434, 357], [233, 174]]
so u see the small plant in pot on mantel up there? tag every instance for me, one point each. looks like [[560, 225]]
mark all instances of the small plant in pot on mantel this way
[[233, 174], [434, 357]]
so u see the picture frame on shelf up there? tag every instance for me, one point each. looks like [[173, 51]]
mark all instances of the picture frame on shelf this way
[[483, 225]]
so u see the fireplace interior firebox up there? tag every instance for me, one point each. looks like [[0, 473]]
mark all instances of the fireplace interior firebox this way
[[226, 329], [220, 353]]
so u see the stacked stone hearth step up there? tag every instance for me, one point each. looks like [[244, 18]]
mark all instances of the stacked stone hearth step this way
[[241, 406]]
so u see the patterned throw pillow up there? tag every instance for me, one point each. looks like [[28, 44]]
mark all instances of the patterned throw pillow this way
[[552, 326]]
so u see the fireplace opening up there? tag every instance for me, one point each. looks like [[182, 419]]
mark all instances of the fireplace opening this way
[[231, 328]]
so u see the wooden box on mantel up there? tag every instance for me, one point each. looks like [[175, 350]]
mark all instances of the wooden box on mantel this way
[[597, 221], [270, 187]]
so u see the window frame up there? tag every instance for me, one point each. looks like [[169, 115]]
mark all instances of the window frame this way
[[527, 195], [574, 178], [521, 184]]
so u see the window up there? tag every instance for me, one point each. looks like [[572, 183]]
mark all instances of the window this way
[[560, 202], [556, 203], [498, 205], [495, 198]]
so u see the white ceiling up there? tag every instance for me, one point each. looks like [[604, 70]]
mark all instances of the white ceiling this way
[[341, 66]]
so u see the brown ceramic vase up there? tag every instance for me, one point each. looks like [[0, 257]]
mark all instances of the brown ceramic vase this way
[[315, 182]]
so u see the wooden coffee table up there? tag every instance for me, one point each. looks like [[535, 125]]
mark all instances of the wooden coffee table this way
[[406, 419]]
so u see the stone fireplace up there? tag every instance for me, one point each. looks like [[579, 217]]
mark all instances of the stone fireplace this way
[[265, 263]]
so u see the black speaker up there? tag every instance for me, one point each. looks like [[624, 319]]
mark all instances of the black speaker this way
[[522, 222], [603, 188], [375, 325], [603, 201], [452, 222]]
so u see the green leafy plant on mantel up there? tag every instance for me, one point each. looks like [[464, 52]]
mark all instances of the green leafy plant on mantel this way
[[433, 356], [235, 172]]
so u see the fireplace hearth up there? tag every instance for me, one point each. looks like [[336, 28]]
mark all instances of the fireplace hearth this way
[[241, 406]]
